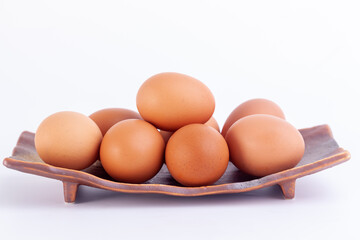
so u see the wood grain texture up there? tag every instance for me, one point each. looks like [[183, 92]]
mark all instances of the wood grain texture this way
[[321, 152]]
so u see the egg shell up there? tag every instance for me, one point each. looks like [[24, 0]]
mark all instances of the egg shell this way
[[132, 151], [172, 100], [263, 144], [250, 107], [69, 140], [196, 155], [166, 135], [108, 117], [211, 123]]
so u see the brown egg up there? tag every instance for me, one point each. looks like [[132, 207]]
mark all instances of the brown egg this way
[[250, 107], [211, 123], [263, 144], [172, 100], [132, 151], [196, 155], [107, 117], [165, 135], [68, 140]]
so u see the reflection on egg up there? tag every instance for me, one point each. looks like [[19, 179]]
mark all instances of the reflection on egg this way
[[196, 155], [69, 140], [250, 107], [107, 117], [132, 151], [263, 144], [172, 100]]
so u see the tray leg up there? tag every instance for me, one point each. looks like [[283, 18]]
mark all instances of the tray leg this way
[[288, 188], [70, 190]]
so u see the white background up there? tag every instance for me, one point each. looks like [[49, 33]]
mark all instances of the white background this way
[[87, 55]]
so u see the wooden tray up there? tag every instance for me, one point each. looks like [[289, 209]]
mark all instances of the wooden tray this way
[[321, 152]]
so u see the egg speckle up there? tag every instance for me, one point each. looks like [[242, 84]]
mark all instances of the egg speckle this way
[[196, 155]]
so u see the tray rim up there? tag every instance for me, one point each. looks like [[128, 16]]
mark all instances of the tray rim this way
[[84, 178], [13, 163]]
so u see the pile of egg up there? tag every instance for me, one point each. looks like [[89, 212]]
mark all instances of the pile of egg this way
[[174, 126]]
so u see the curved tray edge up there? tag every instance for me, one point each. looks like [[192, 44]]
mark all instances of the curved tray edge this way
[[83, 178]]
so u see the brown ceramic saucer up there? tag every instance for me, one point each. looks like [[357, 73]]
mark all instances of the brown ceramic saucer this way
[[321, 152]]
